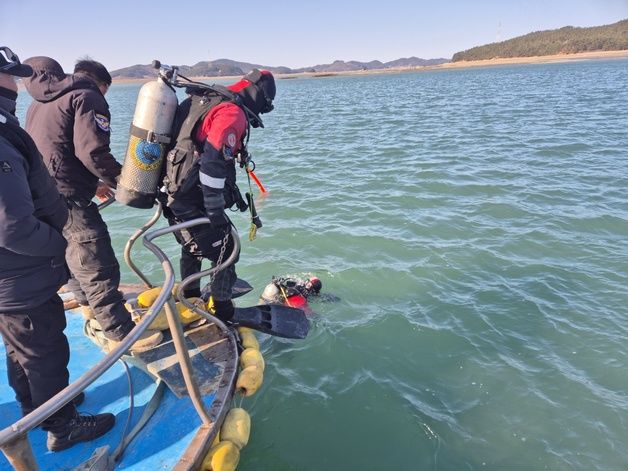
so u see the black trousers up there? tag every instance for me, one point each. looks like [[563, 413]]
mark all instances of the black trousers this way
[[197, 243], [95, 269], [37, 356]]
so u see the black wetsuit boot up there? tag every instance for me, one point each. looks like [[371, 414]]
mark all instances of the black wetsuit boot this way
[[224, 310]]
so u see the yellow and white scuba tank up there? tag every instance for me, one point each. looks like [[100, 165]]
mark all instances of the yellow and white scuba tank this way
[[149, 137]]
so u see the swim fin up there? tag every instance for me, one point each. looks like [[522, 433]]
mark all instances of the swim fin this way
[[273, 319], [240, 288]]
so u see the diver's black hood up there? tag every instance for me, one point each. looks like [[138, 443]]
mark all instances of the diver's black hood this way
[[257, 90], [49, 81]]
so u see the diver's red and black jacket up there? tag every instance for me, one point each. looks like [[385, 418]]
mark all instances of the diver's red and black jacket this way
[[199, 173]]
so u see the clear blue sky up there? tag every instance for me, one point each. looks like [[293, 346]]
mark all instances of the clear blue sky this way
[[294, 33]]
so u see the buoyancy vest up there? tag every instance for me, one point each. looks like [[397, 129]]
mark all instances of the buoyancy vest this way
[[182, 165]]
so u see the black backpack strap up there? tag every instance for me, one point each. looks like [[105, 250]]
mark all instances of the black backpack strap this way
[[181, 166]]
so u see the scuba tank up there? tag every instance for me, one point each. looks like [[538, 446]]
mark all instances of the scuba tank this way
[[291, 291], [149, 137]]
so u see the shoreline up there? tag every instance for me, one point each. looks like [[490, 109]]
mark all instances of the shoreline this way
[[580, 56]]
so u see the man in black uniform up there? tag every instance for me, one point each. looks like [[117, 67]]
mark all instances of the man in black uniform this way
[[32, 268], [69, 122]]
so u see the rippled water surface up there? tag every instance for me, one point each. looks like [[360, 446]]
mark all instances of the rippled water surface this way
[[474, 225]]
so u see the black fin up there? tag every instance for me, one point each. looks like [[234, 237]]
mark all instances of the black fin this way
[[273, 319], [240, 288]]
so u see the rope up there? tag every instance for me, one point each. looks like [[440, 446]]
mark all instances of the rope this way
[[131, 407], [150, 409], [285, 296], [253, 228]]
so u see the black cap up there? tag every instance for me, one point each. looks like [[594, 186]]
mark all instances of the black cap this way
[[10, 64]]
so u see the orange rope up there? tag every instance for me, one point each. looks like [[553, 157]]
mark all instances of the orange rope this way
[[256, 180]]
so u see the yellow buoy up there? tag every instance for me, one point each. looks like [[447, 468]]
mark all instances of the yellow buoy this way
[[147, 298], [237, 427], [186, 316], [251, 356], [249, 380], [222, 457], [248, 339]]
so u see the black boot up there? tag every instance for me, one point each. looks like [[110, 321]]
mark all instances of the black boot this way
[[82, 428], [27, 408], [224, 310]]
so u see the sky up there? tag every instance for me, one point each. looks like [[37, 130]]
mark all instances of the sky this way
[[121, 33]]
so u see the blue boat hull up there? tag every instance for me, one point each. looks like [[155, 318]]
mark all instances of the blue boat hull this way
[[158, 446]]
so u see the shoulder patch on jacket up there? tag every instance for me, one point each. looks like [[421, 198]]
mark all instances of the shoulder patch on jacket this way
[[231, 140], [102, 122], [5, 167]]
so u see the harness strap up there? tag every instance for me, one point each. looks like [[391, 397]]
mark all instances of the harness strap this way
[[150, 409], [101, 460], [150, 136]]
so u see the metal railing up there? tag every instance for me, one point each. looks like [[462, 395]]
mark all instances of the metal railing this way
[[106, 203], [171, 310], [10, 435], [129, 245]]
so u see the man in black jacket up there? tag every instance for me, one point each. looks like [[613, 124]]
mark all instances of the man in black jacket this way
[[69, 122], [32, 268]]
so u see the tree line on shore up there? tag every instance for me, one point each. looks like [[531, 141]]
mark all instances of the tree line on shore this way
[[567, 40]]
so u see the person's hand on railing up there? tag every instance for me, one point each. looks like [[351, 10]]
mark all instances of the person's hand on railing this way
[[104, 192]]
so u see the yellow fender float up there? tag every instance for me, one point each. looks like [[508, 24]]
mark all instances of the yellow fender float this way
[[186, 316], [234, 434], [252, 357], [249, 380], [146, 298], [236, 428], [247, 338], [222, 457]]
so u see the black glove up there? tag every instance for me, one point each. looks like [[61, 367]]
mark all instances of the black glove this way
[[219, 220]]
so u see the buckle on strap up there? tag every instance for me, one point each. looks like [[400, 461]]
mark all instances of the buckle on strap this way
[[150, 136]]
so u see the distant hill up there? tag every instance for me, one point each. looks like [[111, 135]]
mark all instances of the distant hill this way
[[342, 66], [567, 40], [217, 68], [226, 67]]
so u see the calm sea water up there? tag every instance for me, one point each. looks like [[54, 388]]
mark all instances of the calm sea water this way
[[474, 225]]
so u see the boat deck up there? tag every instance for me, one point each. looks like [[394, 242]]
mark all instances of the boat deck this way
[[158, 446]]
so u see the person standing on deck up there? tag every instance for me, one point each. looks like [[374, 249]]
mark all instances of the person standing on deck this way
[[32, 268], [69, 122], [200, 177]]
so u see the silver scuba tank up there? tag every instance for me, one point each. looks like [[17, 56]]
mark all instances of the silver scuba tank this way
[[149, 136]]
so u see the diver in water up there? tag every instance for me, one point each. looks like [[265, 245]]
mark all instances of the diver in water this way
[[292, 291]]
